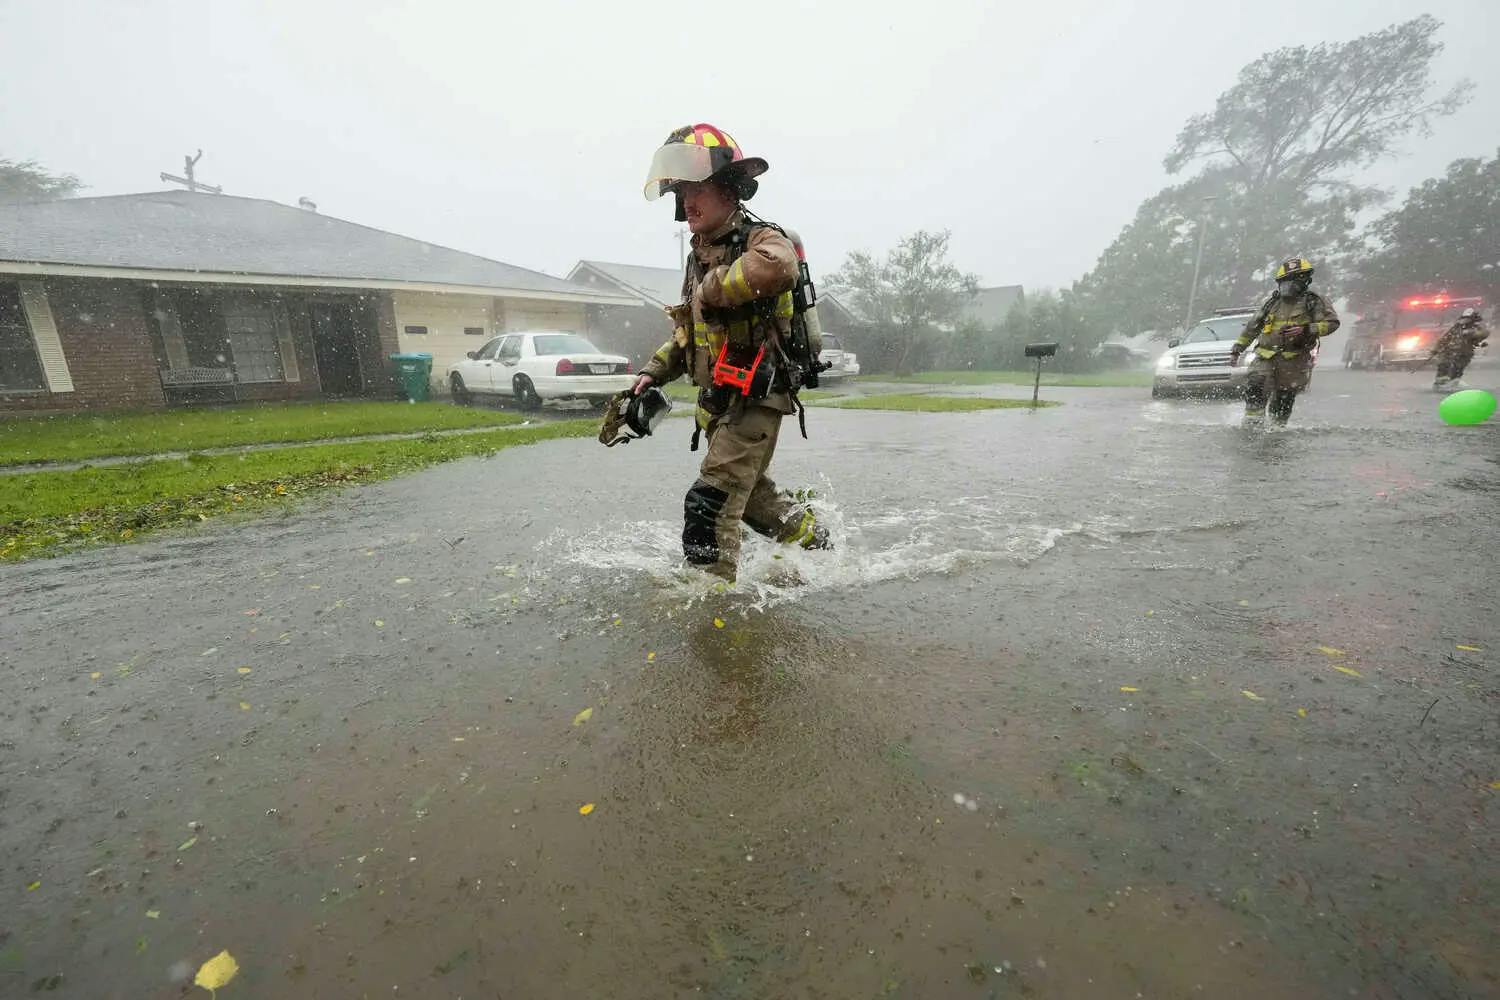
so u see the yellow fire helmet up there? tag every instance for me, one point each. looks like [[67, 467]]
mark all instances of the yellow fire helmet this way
[[1294, 267]]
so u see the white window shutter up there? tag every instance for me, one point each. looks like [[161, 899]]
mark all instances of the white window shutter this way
[[289, 370], [44, 333]]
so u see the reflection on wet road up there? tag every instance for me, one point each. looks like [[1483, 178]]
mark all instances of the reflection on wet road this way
[[1107, 700]]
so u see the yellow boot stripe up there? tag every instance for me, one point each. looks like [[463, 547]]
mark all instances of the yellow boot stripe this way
[[803, 533]]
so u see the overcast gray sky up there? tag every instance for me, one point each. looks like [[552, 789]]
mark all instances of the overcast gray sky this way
[[523, 132]]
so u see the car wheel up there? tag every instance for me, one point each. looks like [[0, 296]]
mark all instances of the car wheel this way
[[526, 394], [461, 395]]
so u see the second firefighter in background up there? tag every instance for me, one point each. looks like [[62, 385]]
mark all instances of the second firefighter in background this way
[[1286, 330], [730, 336]]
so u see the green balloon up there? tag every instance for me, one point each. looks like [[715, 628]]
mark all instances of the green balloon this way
[[1470, 406]]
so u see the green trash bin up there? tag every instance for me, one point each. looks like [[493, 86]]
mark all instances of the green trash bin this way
[[413, 376]]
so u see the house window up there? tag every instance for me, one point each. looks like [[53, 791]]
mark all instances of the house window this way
[[20, 370], [416, 331], [474, 331], [251, 331]]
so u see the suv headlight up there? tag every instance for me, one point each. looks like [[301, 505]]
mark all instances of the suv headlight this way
[[1166, 362]]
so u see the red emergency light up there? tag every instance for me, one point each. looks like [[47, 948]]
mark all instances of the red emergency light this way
[[1439, 301]]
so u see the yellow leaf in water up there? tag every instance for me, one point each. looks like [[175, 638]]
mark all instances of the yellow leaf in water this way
[[718, 623], [33, 887], [244, 706], [1495, 785], [585, 809], [1347, 670], [242, 670], [153, 914], [1252, 696], [584, 716], [379, 623], [403, 579], [1469, 649], [216, 973], [1301, 713], [458, 739], [1244, 604], [618, 621], [187, 843], [650, 657], [1330, 651], [95, 675], [1131, 690]]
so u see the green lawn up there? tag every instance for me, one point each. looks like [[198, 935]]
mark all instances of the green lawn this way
[[1094, 379], [74, 437], [930, 403], [48, 510]]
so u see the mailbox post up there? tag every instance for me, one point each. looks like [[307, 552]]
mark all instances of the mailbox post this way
[[1039, 351]]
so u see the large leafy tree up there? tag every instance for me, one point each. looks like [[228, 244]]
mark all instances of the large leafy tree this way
[[908, 298], [26, 180], [1279, 153], [1445, 237]]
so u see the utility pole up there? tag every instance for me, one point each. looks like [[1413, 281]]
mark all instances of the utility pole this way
[[682, 240], [191, 182], [1187, 320]]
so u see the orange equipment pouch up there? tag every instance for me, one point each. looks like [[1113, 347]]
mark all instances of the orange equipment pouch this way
[[753, 382]]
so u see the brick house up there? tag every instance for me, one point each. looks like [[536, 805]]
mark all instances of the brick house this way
[[139, 301]]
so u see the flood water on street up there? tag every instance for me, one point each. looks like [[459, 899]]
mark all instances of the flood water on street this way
[[1113, 699]]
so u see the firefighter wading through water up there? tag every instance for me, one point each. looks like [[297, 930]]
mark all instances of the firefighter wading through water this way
[[731, 338], [1455, 349], [1285, 329]]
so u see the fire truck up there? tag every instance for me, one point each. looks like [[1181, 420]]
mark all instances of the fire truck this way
[[1401, 333]]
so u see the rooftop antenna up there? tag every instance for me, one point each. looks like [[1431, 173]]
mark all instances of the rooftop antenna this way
[[190, 182]]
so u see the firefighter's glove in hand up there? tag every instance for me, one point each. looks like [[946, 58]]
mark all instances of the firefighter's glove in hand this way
[[1234, 355]]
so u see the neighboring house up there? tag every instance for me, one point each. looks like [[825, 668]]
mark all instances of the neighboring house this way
[[140, 300], [634, 331], [835, 316], [991, 305]]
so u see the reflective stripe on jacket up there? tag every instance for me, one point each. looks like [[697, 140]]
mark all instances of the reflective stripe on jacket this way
[[1267, 327]]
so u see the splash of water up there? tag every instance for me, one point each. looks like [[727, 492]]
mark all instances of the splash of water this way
[[904, 544]]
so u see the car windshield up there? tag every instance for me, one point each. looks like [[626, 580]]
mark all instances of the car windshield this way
[[563, 343], [1215, 329]]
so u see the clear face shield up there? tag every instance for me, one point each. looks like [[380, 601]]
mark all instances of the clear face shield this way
[[674, 163]]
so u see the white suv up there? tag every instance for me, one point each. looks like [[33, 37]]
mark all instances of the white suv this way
[[1198, 361], [533, 367]]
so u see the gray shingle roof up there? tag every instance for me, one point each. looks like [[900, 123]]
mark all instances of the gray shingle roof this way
[[661, 286], [990, 305], [222, 234]]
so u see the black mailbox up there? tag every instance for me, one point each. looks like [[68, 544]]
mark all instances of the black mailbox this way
[[1040, 350]]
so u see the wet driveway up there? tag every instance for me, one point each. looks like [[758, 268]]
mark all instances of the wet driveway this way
[[1107, 700]]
